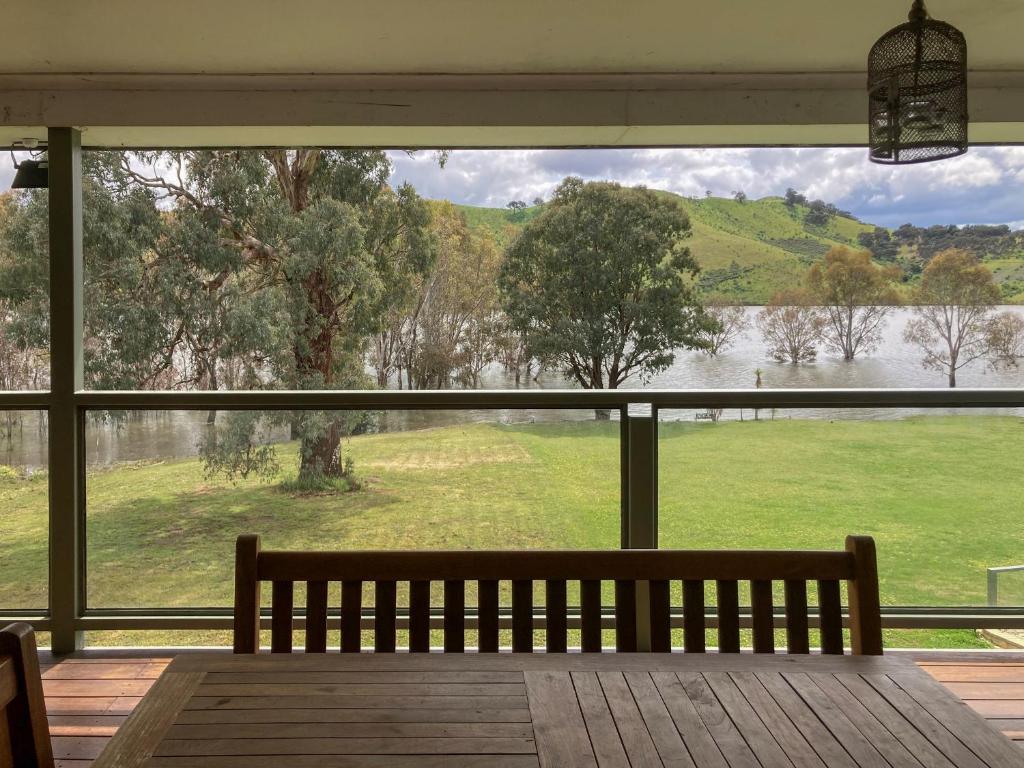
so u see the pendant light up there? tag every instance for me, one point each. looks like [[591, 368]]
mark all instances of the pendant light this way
[[917, 92]]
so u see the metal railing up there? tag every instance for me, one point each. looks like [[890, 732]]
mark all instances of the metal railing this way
[[68, 403]]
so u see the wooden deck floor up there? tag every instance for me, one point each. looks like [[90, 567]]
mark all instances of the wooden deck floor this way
[[89, 695]]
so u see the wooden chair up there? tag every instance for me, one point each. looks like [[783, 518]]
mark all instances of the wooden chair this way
[[24, 734], [654, 569]]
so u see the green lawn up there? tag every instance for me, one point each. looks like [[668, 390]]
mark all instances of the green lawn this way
[[942, 496]]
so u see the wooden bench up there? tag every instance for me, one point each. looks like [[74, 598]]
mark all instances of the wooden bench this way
[[24, 733], [655, 570]]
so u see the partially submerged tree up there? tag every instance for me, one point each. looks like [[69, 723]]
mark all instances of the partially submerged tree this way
[[857, 296], [791, 326], [1006, 339], [729, 320], [953, 308], [599, 284]]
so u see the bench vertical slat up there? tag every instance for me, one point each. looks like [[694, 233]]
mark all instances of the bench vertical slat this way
[[763, 616], [316, 617], [625, 616], [693, 616], [487, 616], [555, 611], [830, 611], [281, 608], [590, 610], [351, 616], [454, 616], [661, 616], [728, 597], [862, 595], [384, 609], [247, 594], [796, 616], [522, 616], [419, 616]]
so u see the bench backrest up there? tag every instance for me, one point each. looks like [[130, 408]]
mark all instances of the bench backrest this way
[[649, 574], [24, 734]]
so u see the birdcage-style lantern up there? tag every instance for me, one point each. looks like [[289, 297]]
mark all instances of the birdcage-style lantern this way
[[917, 92]]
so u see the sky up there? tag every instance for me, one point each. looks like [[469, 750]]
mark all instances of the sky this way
[[985, 186]]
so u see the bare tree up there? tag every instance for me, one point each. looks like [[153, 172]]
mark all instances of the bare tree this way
[[856, 296], [952, 323], [791, 326], [1006, 339], [729, 321]]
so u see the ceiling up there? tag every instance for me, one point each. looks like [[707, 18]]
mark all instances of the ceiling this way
[[482, 36], [477, 72]]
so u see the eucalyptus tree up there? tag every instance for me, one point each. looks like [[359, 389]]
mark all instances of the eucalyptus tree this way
[[599, 283], [128, 342], [310, 248]]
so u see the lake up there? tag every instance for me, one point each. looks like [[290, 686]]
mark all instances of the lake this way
[[894, 364]]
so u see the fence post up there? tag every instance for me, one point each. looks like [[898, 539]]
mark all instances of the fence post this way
[[66, 433], [641, 520]]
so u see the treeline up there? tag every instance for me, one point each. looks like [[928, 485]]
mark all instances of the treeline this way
[[921, 244], [817, 213], [845, 302], [306, 269]]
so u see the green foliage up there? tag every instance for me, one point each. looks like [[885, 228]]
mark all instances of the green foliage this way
[[599, 283], [881, 244], [232, 450]]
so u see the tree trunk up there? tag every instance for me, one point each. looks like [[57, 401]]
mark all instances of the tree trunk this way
[[314, 364], [211, 417], [321, 454], [952, 378]]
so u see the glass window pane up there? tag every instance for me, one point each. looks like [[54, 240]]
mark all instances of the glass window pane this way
[[163, 514], [24, 282], [24, 516], [215, 269], [938, 491]]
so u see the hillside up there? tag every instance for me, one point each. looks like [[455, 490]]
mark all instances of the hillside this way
[[748, 250]]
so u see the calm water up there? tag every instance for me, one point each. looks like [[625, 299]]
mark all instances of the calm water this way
[[176, 434]]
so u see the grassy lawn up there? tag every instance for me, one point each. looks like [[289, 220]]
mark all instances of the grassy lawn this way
[[942, 495]]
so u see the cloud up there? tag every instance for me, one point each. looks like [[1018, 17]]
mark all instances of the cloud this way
[[984, 186]]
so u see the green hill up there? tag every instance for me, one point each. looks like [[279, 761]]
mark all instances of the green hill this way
[[748, 250]]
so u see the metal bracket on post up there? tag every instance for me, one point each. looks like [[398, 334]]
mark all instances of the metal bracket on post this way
[[66, 456], [640, 526]]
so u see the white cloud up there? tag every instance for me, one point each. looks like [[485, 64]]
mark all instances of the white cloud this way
[[984, 186]]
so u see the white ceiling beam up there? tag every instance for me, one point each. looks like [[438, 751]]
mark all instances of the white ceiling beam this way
[[472, 110]]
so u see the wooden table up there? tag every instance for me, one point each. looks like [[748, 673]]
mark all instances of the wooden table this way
[[514, 711]]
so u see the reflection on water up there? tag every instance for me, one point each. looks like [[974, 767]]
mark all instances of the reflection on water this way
[[175, 434]]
